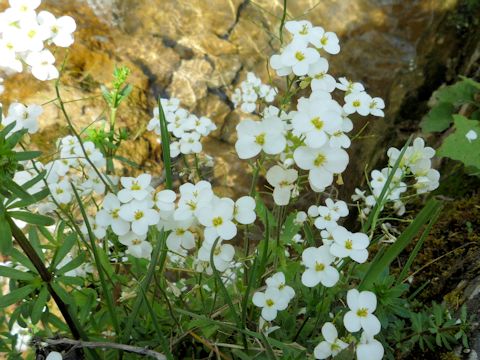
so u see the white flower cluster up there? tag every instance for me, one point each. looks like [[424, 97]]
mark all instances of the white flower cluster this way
[[275, 298], [24, 35], [250, 91], [415, 167], [338, 243], [359, 317], [314, 135], [198, 215], [187, 128], [70, 169]]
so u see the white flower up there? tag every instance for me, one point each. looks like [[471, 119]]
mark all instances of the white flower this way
[[24, 6], [98, 230], [61, 192], [326, 218], [255, 136], [300, 218], [312, 211], [471, 135], [347, 244], [321, 81], [316, 123], [357, 102], [362, 305], [222, 254], [271, 302], [42, 65], [140, 215], [277, 64], [332, 344], [376, 107], [217, 219], [109, 215], [180, 236], [137, 245], [369, 348], [328, 41], [318, 269], [25, 116], [277, 281], [322, 163], [282, 181], [60, 30], [349, 86], [134, 188], [304, 31], [244, 211], [54, 355], [165, 200], [299, 57], [193, 197], [190, 143], [339, 207]]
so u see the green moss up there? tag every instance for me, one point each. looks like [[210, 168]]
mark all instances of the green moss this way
[[451, 253]]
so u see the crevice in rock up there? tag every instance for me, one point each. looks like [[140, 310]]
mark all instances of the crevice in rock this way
[[240, 8]]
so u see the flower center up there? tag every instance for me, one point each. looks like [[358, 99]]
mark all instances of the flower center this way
[[304, 30], [320, 76], [59, 191], [356, 103], [135, 186], [217, 221], [349, 244], [269, 302], [115, 213], [180, 232], [136, 242], [319, 266], [31, 34], [324, 40], [362, 312], [319, 160], [138, 215], [217, 251], [317, 123], [299, 56], [260, 139]]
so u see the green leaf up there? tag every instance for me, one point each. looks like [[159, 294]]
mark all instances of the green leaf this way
[[16, 295], [35, 198], [16, 189], [127, 161], [457, 94], [165, 141], [75, 263], [40, 303], [15, 274], [26, 155], [64, 249], [457, 147], [30, 218], [5, 236], [427, 214], [438, 118]]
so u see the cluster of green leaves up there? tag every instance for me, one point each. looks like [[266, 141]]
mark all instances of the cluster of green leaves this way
[[464, 95]]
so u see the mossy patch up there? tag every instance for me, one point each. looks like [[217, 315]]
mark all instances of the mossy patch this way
[[451, 252]]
